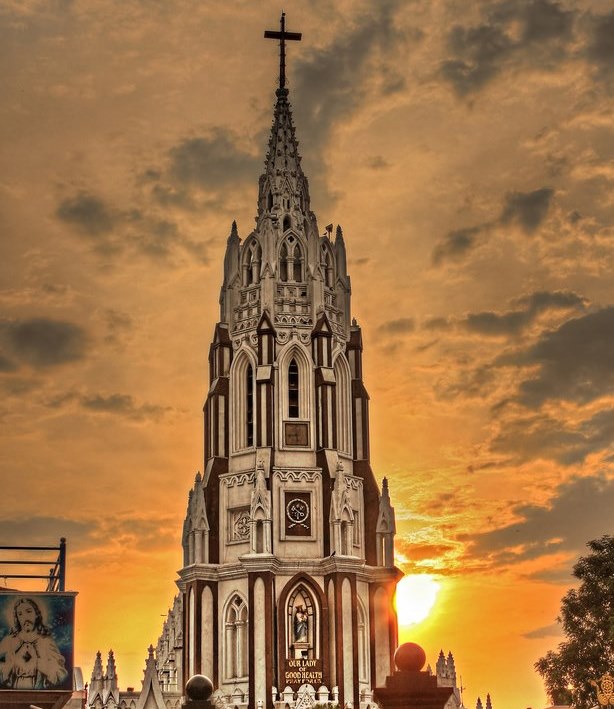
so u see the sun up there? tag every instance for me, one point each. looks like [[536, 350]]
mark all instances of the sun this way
[[415, 597]]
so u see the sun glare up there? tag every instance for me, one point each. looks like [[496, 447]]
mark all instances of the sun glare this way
[[415, 597]]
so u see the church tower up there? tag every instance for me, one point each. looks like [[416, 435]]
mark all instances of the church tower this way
[[288, 576]]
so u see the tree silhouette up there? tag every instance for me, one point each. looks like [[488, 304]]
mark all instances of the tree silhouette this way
[[587, 616]]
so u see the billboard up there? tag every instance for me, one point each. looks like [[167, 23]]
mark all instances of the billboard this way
[[36, 640]]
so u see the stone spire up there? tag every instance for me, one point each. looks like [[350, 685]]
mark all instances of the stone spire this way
[[385, 529], [488, 702], [478, 704], [195, 537], [97, 675], [283, 188], [111, 673]]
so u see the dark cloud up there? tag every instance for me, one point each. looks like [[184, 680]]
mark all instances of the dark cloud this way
[[44, 531], [436, 324], [113, 231], [466, 383], [331, 83], [581, 509], [528, 209], [400, 326], [40, 342], [212, 161], [574, 362], [546, 437], [122, 405], [479, 53], [547, 631], [89, 214], [7, 365], [600, 46], [457, 244], [377, 162], [514, 321]]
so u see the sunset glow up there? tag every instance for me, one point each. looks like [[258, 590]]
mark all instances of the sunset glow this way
[[416, 595]]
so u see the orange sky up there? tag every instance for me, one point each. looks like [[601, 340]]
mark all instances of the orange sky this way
[[465, 148]]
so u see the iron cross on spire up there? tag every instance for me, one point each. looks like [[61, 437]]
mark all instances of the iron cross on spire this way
[[282, 36]]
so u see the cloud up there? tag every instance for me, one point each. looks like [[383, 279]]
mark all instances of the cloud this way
[[479, 54], [45, 531], [513, 322], [400, 326], [531, 33], [112, 231], [554, 630], [574, 362], [600, 45], [122, 405], [546, 437], [377, 162], [457, 244], [436, 324], [581, 509], [88, 213], [41, 342], [528, 209], [333, 82], [212, 161]]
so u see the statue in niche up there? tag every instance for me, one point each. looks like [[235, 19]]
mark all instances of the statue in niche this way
[[300, 624]]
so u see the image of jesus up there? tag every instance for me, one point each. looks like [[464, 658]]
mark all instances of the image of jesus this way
[[29, 656]]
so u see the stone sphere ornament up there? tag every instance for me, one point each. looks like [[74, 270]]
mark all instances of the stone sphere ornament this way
[[199, 688], [409, 657]]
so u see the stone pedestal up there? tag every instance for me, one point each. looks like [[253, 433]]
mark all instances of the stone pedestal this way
[[409, 687]]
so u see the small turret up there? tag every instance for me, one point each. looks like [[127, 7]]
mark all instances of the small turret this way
[[260, 513], [385, 530], [478, 704], [488, 702], [195, 538], [341, 515], [97, 675]]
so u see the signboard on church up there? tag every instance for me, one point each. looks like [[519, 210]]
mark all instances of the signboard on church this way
[[302, 671], [36, 641]]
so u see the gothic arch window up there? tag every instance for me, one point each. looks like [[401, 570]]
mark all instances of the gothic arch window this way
[[269, 200], [344, 404], [293, 390], [327, 263], [302, 624], [249, 406], [287, 223], [235, 639], [251, 263], [243, 397], [363, 643], [291, 261]]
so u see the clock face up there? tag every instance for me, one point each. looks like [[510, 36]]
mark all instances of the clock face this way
[[297, 511]]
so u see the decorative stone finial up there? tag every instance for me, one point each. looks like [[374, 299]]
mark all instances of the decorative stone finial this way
[[199, 688], [409, 657]]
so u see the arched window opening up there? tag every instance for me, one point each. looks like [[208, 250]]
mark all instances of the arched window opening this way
[[249, 406], [293, 390], [327, 266], [259, 537], [302, 625], [269, 201], [298, 264], [283, 263], [235, 650], [287, 223], [363, 644]]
